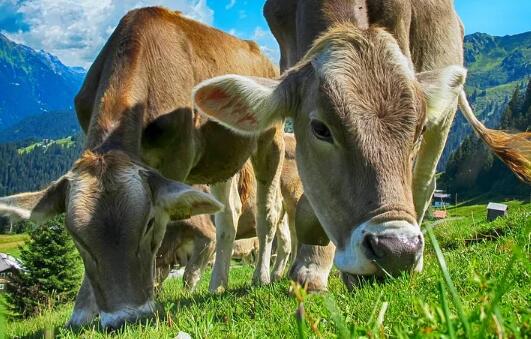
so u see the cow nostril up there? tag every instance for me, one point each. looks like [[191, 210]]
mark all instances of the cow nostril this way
[[372, 246]]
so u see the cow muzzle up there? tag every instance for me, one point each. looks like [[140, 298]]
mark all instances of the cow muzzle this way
[[117, 319], [383, 249]]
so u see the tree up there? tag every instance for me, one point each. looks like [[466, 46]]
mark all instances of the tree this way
[[472, 169], [51, 271]]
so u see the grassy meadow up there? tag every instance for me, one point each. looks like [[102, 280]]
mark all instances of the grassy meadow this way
[[480, 288]]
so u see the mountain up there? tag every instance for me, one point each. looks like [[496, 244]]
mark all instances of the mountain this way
[[496, 66], [31, 166], [34, 83], [51, 125]]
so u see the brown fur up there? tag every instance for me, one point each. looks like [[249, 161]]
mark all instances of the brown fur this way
[[201, 229], [373, 99], [136, 109]]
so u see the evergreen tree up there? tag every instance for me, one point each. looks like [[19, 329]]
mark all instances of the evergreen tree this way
[[511, 110], [473, 169], [51, 270]]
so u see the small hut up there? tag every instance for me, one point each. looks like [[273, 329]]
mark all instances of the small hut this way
[[8, 266], [441, 199], [495, 210]]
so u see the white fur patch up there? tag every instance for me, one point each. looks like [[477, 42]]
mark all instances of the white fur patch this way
[[129, 314], [14, 213], [352, 258], [443, 94], [81, 317]]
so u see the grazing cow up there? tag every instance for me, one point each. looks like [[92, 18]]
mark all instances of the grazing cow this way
[[136, 109], [372, 91], [190, 242]]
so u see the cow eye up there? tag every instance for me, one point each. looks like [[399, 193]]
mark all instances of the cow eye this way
[[321, 131]]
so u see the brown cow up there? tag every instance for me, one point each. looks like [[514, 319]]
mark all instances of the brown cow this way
[[136, 109], [190, 242], [372, 90]]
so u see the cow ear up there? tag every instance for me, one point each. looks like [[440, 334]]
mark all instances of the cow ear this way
[[247, 105], [36, 206], [181, 201], [441, 88], [308, 227]]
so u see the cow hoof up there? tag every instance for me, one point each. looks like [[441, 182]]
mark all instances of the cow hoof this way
[[190, 281], [311, 278], [80, 318], [261, 279]]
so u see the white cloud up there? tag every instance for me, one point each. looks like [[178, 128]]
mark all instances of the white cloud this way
[[76, 30], [260, 33], [230, 4], [267, 43]]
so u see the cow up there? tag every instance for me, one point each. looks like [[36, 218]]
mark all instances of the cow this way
[[372, 88], [143, 140], [190, 243]]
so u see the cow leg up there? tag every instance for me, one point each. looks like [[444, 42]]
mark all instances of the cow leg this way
[[226, 224], [85, 308], [426, 162], [203, 250], [283, 249], [267, 163], [312, 266]]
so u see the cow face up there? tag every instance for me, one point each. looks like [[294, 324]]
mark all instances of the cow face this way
[[116, 211], [358, 111]]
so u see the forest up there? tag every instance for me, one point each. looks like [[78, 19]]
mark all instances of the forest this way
[[472, 169]]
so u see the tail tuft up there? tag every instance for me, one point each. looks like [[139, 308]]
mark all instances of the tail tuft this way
[[513, 149]]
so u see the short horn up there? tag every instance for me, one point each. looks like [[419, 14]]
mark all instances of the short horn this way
[[514, 149]]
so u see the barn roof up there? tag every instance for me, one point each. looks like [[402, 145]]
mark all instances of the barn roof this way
[[8, 262], [497, 206]]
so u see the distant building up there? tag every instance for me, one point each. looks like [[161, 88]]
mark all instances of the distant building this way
[[8, 266], [440, 214], [441, 199], [495, 210]]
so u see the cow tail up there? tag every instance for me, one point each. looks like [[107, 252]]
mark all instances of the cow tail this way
[[514, 149]]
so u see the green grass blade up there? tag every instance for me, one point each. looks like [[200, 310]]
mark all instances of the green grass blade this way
[[337, 318], [500, 290], [448, 280], [446, 311], [301, 324]]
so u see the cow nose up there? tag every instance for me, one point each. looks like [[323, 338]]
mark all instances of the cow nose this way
[[394, 253]]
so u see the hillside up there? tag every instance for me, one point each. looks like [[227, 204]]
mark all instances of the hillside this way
[[496, 65], [50, 125], [27, 167], [33, 83]]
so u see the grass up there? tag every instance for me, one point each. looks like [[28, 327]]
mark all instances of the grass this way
[[476, 280], [10, 243], [65, 143]]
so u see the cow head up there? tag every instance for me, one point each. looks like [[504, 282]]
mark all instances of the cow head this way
[[116, 211], [359, 112]]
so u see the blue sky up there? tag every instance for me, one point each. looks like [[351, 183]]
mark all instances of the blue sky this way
[[75, 30]]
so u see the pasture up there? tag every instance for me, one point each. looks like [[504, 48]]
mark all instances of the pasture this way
[[488, 269]]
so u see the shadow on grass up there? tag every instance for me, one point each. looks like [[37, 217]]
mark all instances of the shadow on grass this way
[[202, 298]]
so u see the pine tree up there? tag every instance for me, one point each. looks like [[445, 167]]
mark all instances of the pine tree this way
[[511, 110], [52, 270]]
